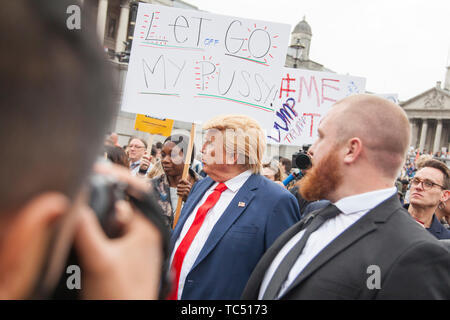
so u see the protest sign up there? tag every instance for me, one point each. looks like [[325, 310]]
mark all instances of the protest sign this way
[[304, 97], [151, 125], [192, 65]]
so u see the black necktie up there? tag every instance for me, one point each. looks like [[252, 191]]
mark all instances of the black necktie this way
[[282, 272]]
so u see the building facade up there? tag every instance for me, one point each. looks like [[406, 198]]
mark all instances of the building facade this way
[[429, 116], [298, 50]]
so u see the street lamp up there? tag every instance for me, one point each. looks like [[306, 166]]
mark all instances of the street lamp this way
[[298, 51]]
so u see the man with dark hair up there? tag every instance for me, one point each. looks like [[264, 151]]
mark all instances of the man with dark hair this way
[[286, 164], [363, 245], [430, 188], [56, 95]]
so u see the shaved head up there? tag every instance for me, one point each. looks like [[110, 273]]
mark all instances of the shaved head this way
[[381, 125]]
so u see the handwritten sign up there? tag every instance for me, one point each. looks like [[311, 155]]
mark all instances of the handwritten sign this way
[[304, 97], [151, 125], [192, 65]]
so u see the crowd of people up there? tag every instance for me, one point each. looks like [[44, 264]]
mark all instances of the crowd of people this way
[[237, 229]]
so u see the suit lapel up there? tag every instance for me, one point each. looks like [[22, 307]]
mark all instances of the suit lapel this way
[[358, 230], [245, 194], [189, 207], [254, 283]]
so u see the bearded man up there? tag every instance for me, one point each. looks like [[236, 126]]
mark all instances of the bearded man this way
[[363, 245]]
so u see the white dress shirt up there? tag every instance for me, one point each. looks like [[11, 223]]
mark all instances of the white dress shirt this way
[[173, 198], [233, 186], [353, 208]]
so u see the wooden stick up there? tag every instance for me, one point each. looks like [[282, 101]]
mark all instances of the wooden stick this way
[[150, 143], [185, 173]]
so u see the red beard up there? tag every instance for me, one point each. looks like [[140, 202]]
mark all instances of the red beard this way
[[322, 179]]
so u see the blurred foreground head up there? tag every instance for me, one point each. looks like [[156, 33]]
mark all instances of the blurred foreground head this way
[[361, 146], [55, 110]]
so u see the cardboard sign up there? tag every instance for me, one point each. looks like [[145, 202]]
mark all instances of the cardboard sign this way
[[304, 98], [151, 125], [192, 65]]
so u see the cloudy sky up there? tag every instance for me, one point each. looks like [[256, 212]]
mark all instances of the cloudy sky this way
[[399, 46]]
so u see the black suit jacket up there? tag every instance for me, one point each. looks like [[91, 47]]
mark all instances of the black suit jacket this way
[[412, 263]]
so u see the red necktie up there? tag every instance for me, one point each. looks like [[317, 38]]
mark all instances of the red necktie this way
[[183, 248]]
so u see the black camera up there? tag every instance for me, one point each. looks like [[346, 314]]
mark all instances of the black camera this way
[[105, 191], [301, 159]]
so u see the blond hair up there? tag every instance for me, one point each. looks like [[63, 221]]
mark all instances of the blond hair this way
[[421, 160], [242, 136]]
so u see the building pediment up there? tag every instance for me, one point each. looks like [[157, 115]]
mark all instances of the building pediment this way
[[432, 99]]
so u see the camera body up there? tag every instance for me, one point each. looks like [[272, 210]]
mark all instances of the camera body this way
[[105, 191], [301, 160]]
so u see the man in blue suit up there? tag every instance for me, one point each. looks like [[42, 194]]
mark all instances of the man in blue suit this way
[[231, 217]]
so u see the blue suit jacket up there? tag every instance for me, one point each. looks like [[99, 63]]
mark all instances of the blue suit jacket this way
[[239, 238]]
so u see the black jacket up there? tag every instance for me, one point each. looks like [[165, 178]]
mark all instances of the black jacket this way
[[412, 263]]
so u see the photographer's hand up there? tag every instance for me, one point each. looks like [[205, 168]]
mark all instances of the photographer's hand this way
[[128, 267]]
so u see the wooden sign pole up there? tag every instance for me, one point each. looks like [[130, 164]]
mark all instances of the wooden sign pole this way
[[187, 164], [149, 144]]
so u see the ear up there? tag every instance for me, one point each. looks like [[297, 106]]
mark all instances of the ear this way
[[353, 150], [445, 195], [25, 238]]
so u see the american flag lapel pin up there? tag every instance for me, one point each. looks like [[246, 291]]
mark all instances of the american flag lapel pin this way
[[241, 204]]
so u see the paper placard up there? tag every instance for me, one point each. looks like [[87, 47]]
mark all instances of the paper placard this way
[[304, 98], [192, 65], [151, 125]]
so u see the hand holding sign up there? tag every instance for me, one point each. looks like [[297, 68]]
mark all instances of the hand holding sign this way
[[184, 188], [145, 161]]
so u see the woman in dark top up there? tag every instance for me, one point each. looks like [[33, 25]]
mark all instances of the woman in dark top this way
[[169, 186]]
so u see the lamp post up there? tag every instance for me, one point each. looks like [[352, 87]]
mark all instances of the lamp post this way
[[298, 51]]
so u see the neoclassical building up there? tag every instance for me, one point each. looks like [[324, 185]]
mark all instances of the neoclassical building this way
[[298, 50], [429, 115]]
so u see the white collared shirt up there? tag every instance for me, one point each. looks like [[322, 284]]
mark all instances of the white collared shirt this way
[[213, 215], [353, 208]]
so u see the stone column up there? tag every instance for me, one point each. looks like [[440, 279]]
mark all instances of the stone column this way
[[423, 134], [414, 132], [437, 137], [123, 26], [101, 19]]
